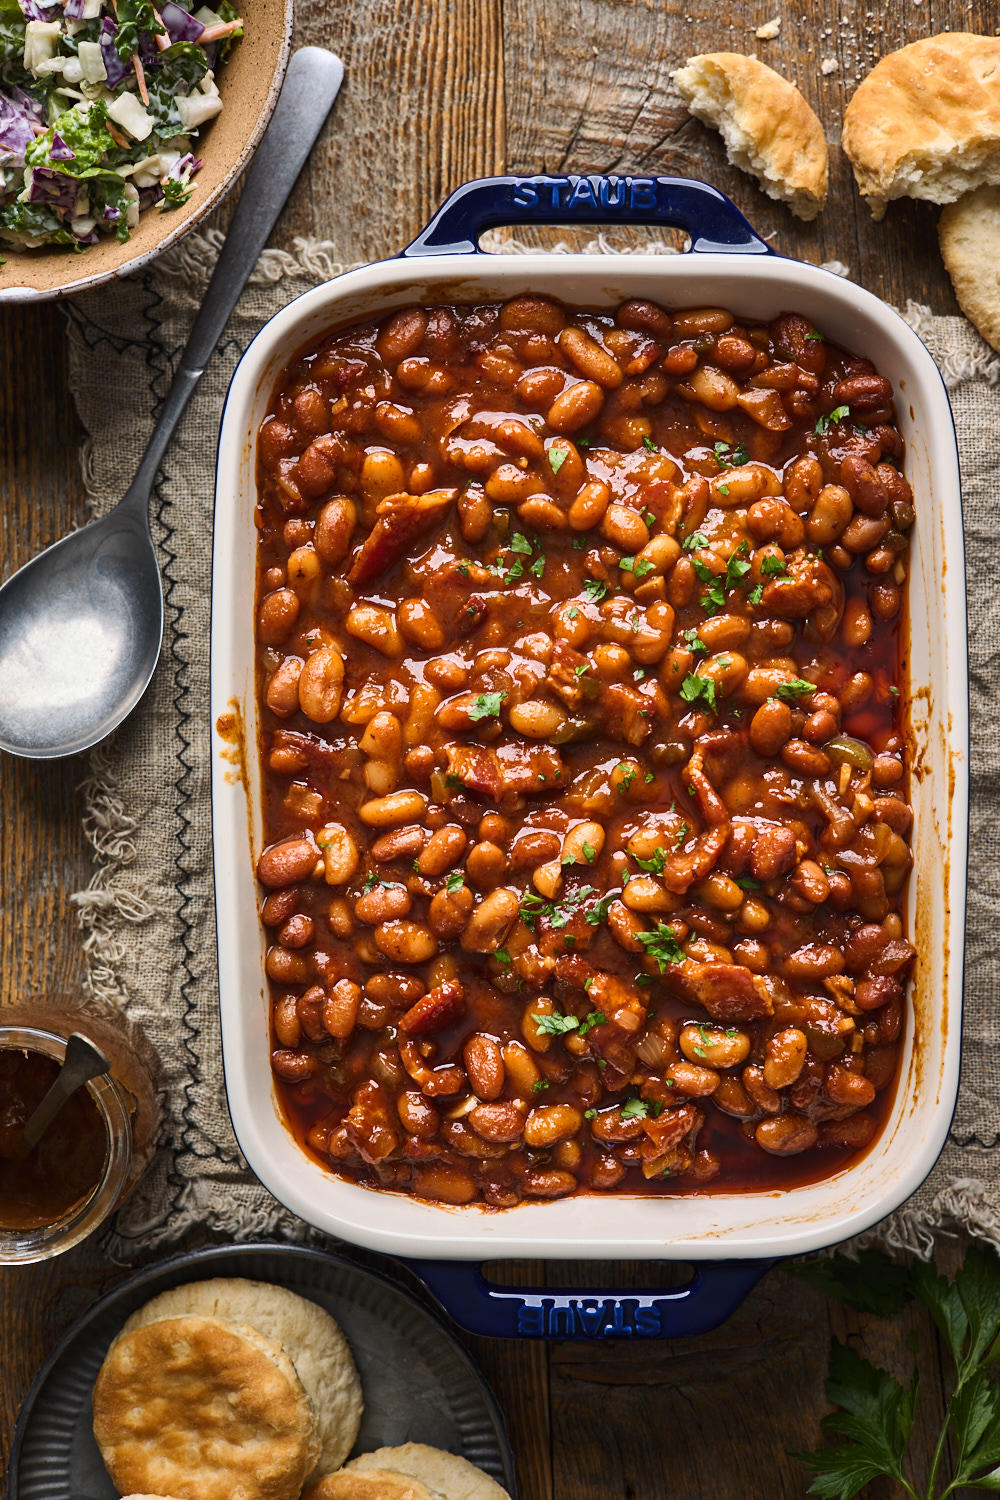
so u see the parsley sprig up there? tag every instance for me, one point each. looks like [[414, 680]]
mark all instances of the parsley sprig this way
[[694, 687], [485, 706], [662, 945], [728, 457], [790, 692], [833, 420], [876, 1414], [560, 1025]]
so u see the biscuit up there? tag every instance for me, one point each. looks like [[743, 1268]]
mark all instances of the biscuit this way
[[308, 1334], [449, 1476], [203, 1410], [925, 123], [372, 1484], [767, 126], [969, 236]]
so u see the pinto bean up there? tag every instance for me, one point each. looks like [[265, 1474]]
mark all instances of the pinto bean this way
[[287, 863]]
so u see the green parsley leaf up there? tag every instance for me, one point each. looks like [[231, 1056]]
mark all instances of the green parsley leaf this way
[[371, 881], [681, 835], [538, 566], [649, 777], [723, 489], [595, 590], [876, 1416], [654, 865], [870, 1284], [773, 567], [463, 568], [502, 956], [693, 640], [519, 543], [599, 913], [894, 691], [693, 688], [737, 567], [746, 882], [453, 781], [647, 443], [539, 1086], [557, 457], [696, 540], [728, 457], [583, 442], [589, 852], [836, 416], [635, 1109], [455, 881], [625, 781], [556, 1024], [579, 542], [756, 594], [485, 706], [559, 913], [788, 692], [818, 337], [662, 945], [595, 1018], [572, 613]]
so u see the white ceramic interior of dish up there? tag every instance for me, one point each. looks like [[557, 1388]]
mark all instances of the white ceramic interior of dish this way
[[709, 1226]]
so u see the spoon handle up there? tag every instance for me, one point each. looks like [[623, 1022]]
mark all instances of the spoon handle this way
[[311, 85], [83, 1060]]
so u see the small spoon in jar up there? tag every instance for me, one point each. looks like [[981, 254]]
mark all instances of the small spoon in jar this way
[[81, 624], [82, 1061]]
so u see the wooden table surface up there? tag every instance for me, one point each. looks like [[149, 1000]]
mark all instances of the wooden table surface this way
[[436, 92]]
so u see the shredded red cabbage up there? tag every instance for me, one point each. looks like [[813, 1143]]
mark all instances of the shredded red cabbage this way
[[181, 25]]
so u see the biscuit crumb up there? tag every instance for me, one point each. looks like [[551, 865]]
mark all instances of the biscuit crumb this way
[[829, 65], [769, 30]]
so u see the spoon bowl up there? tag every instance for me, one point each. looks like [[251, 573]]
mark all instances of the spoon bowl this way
[[80, 629]]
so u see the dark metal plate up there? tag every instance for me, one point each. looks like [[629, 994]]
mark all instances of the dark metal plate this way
[[419, 1384]]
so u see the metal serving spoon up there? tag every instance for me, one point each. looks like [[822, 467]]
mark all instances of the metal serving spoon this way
[[82, 1061], [80, 625]]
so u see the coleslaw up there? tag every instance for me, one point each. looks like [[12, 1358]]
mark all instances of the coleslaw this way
[[101, 103]]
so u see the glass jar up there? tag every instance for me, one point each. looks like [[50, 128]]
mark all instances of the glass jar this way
[[128, 1100]]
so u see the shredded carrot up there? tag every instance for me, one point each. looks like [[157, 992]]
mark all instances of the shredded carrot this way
[[162, 39], [117, 136], [213, 33], [141, 78]]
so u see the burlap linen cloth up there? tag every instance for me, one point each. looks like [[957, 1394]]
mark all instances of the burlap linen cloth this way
[[147, 917]]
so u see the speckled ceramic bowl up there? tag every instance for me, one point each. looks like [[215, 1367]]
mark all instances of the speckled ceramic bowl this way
[[249, 83]]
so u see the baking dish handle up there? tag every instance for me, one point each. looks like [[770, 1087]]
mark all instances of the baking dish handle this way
[[709, 217], [712, 1295]]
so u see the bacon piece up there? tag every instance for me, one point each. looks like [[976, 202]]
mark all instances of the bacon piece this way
[[401, 519], [626, 714], [369, 1123], [477, 769], [726, 991], [434, 1011], [682, 869]]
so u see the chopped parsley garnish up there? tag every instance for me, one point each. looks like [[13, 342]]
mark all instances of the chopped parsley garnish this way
[[579, 671], [583, 442], [693, 640], [788, 692], [556, 1024], [773, 567], [599, 913], [485, 706], [371, 881], [590, 1114], [693, 688], [836, 416], [463, 568], [746, 883], [561, 912], [694, 541], [519, 543], [538, 566], [894, 691], [589, 852], [626, 780], [595, 1018], [728, 457], [662, 945], [502, 956], [572, 613], [756, 594], [682, 834], [647, 443], [595, 590], [649, 777], [817, 337], [539, 1086], [451, 780], [557, 457], [737, 567], [640, 1109], [640, 566], [579, 542], [455, 881], [653, 865]]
